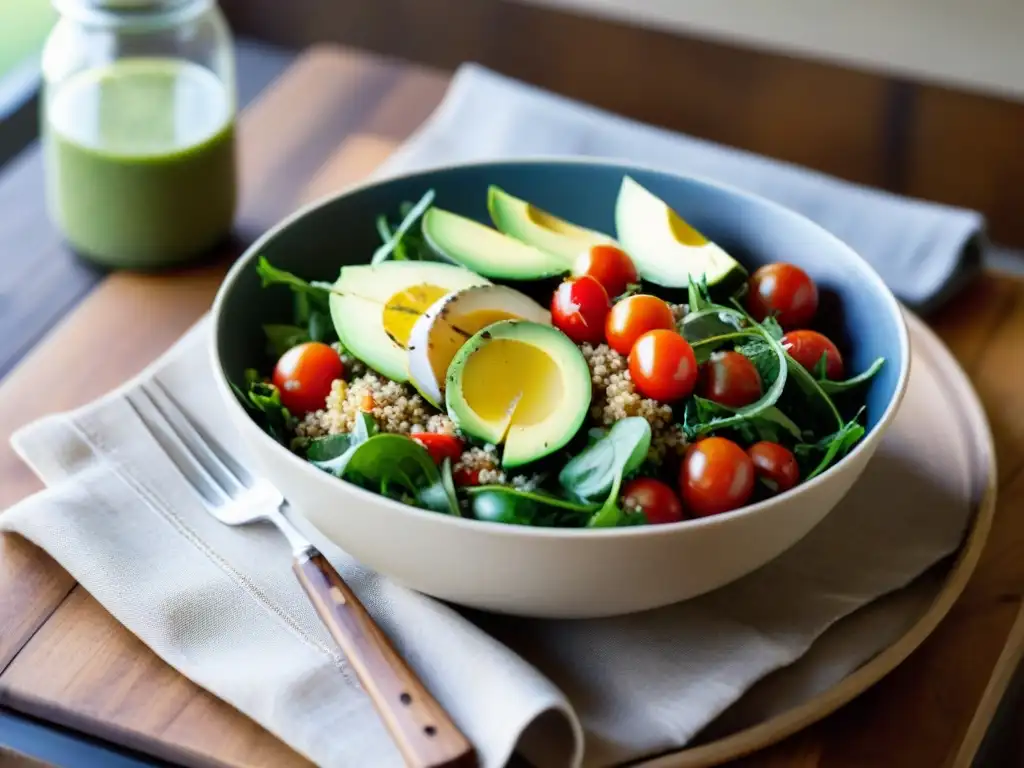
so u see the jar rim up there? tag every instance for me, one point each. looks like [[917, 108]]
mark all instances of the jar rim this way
[[120, 13]]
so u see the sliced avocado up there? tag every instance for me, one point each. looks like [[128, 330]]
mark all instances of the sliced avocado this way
[[380, 303], [487, 251], [521, 384], [666, 250], [534, 226]]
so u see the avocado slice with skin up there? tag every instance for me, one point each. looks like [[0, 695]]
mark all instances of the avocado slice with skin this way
[[522, 385], [487, 251], [534, 226], [374, 308], [666, 250]]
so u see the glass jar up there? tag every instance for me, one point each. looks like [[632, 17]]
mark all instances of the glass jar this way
[[138, 113]]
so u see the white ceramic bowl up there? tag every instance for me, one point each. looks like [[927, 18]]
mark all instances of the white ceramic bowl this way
[[547, 572]]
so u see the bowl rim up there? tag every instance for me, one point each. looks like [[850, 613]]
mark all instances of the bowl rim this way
[[241, 416]]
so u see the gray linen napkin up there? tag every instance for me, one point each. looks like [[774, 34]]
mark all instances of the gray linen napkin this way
[[923, 251], [222, 607]]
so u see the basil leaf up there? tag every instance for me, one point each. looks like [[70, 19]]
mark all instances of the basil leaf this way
[[281, 338], [400, 468], [831, 387], [332, 453], [385, 250], [832, 447], [592, 473]]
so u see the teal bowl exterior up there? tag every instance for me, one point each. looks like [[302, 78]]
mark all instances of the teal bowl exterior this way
[[856, 310]]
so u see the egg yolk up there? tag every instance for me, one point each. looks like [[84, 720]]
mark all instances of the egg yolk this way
[[512, 384], [404, 308]]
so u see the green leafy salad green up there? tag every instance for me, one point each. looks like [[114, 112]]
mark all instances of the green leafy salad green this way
[[539, 373]]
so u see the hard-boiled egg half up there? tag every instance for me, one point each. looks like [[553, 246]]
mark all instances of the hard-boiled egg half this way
[[439, 333]]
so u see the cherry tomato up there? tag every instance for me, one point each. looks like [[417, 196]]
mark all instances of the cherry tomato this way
[[466, 477], [716, 476], [662, 366], [729, 378], [786, 290], [807, 347], [775, 465], [578, 309], [440, 447], [634, 316], [304, 375], [610, 266], [658, 502]]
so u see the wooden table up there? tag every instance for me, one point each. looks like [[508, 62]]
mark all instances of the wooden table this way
[[332, 118]]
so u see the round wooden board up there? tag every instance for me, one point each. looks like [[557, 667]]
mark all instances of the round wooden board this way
[[974, 424]]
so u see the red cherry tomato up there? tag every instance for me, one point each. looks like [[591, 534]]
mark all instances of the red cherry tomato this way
[[610, 266], [579, 308], [466, 477], [662, 366], [775, 465], [716, 476], [783, 289], [304, 375], [729, 378], [807, 347], [634, 316], [658, 502], [440, 447]]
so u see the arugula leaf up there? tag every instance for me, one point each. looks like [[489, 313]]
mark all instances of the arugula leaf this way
[[710, 322], [831, 387], [389, 246], [832, 447], [771, 325], [311, 309], [265, 399], [821, 368], [698, 295], [591, 474], [399, 468], [812, 395], [281, 338]]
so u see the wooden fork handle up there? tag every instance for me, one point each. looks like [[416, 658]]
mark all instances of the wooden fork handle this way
[[425, 734]]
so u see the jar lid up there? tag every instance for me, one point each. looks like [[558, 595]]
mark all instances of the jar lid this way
[[97, 10]]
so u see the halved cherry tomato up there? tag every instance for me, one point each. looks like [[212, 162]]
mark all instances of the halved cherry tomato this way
[[466, 477], [807, 347], [610, 266], [775, 465], [634, 316], [783, 289], [658, 502], [729, 378], [579, 307], [662, 366], [716, 476], [304, 375], [440, 447]]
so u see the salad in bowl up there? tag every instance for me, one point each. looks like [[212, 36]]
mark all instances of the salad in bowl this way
[[529, 370]]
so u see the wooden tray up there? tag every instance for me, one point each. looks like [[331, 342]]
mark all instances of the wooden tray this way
[[330, 120]]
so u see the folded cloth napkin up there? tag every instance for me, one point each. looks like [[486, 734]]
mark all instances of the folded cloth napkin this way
[[221, 605], [923, 251]]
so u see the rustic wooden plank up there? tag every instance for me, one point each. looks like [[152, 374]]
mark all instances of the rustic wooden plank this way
[[108, 683], [107, 674]]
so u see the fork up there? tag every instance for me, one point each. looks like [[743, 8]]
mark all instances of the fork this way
[[424, 733]]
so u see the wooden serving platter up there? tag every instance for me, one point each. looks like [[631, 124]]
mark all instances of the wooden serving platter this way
[[332, 118]]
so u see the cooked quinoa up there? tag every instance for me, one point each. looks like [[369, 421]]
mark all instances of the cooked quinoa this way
[[394, 406], [354, 367], [615, 397], [679, 311]]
